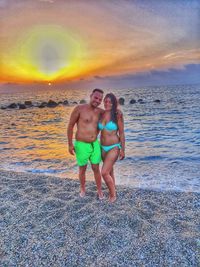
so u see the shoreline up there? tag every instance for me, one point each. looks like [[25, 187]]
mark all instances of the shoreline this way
[[45, 223], [91, 180]]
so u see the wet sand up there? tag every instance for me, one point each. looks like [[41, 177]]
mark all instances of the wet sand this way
[[44, 222]]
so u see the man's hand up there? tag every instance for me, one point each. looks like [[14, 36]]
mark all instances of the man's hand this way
[[71, 150], [121, 154]]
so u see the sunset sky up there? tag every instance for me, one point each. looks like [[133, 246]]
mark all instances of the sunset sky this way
[[103, 42]]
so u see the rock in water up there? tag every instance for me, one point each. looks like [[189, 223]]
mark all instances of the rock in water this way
[[82, 101], [132, 101], [28, 103], [22, 106], [121, 101], [13, 105], [42, 105], [52, 104], [65, 102]]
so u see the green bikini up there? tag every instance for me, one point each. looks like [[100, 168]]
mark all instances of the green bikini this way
[[109, 126]]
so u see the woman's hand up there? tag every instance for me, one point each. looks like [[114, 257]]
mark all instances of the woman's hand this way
[[121, 154], [120, 122]]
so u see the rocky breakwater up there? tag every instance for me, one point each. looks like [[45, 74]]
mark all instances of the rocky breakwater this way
[[53, 104], [50, 104]]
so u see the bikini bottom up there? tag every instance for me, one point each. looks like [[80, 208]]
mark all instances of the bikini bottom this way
[[108, 148]]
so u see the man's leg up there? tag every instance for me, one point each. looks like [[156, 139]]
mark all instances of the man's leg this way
[[82, 155], [82, 170], [97, 176]]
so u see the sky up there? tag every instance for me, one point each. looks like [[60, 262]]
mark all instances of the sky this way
[[101, 43]]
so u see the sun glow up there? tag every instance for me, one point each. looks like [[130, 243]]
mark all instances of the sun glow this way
[[46, 53]]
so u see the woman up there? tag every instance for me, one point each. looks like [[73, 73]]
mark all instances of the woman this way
[[112, 139]]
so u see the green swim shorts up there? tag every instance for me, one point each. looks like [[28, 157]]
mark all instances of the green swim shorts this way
[[87, 151]]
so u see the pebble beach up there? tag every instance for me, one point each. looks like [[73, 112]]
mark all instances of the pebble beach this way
[[44, 222]]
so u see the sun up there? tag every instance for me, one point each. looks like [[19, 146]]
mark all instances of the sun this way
[[48, 52]]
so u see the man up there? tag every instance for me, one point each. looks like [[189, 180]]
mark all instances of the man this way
[[86, 146]]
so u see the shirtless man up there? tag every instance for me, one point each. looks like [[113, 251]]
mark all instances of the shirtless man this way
[[86, 146]]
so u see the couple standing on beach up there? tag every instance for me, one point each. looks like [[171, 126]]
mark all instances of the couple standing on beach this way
[[90, 120]]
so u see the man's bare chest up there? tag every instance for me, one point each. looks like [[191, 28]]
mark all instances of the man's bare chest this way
[[89, 117]]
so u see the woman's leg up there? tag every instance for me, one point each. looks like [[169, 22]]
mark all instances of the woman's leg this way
[[112, 175], [109, 160], [103, 155]]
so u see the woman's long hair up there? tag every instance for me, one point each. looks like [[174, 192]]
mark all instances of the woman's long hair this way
[[114, 102]]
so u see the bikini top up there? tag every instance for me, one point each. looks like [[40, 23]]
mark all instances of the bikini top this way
[[109, 126]]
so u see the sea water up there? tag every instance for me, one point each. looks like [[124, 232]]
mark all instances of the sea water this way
[[162, 138]]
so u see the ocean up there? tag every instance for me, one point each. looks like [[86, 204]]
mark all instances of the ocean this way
[[162, 137]]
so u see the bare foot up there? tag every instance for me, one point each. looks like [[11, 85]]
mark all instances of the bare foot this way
[[100, 195], [82, 193], [112, 199]]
